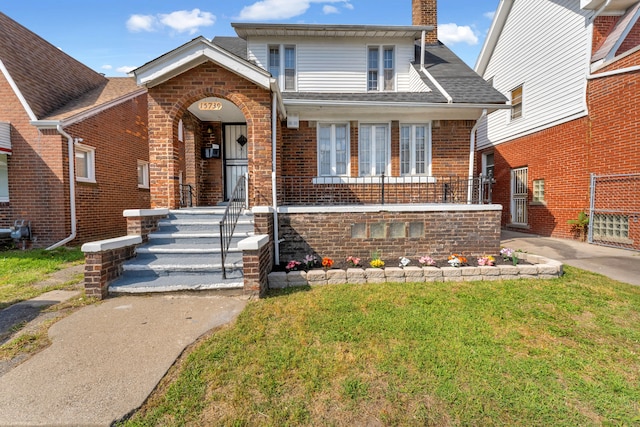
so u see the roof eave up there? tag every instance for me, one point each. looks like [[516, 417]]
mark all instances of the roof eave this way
[[245, 30]]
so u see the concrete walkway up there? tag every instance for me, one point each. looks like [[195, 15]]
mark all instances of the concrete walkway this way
[[619, 264], [105, 359]]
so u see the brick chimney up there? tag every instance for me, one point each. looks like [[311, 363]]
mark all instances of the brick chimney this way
[[425, 12]]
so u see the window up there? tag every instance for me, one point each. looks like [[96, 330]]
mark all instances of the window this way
[[373, 150], [333, 149], [4, 178], [380, 65], [282, 65], [538, 191], [85, 163], [488, 164], [516, 103], [610, 227], [143, 174], [415, 150]]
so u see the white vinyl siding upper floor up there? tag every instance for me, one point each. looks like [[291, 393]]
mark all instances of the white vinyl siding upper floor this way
[[336, 64], [544, 46]]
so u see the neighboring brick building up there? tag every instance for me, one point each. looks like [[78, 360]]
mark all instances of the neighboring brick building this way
[[50, 104], [575, 113]]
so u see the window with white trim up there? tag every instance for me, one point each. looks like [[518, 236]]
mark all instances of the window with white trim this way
[[4, 178], [373, 150], [381, 68], [488, 164], [282, 65], [143, 174], [516, 103], [415, 149], [333, 149], [85, 163]]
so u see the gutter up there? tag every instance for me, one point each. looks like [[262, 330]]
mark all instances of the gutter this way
[[472, 153], [274, 181], [17, 92]]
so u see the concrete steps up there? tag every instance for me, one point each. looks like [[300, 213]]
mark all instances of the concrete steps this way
[[185, 255]]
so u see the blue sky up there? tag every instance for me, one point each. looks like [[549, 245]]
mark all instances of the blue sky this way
[[115, 36]]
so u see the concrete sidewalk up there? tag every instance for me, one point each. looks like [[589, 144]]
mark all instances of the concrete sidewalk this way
[[105, 359], [619, 264]]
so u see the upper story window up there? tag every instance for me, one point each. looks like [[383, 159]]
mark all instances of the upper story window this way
[[282, 65], [516, 103], [415, 150], [333, 149], [381, 68], [85, 163]]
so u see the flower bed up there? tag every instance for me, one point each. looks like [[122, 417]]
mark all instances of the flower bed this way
[[528, 267]]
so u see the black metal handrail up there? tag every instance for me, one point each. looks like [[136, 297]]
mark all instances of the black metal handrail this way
[[323, 191], [186, 195], [230, 219]]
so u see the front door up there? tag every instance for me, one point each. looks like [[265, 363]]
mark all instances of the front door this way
[[235, 155]]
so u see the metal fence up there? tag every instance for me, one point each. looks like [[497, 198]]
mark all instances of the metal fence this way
[[614, 216], [324, 191]]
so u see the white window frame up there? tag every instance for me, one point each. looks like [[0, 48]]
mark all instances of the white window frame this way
[[333, 149], [144, 166], [412, 149], [90, 153], [380, 68], [279, 70], [373, 170], [4, 177], [521, 103], [486, 164]]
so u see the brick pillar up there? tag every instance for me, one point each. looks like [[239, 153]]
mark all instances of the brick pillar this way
[[425, 12]]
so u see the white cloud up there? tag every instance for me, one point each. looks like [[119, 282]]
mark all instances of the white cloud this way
[[106, 67], [267, 10], [188, 21], [181, 21], [328, 9], [453, 33], [137, 23], [489, 15], [125, 69]]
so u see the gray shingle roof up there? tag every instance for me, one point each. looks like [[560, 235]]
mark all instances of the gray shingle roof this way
[[234, 45]]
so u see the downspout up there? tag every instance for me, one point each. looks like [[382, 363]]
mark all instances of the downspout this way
[[274, 192], [472, 154], [72, 189]]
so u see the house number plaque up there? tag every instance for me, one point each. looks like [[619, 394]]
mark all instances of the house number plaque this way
[[210, 106]]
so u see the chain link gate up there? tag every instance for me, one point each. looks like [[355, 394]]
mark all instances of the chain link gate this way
[[614, 216]]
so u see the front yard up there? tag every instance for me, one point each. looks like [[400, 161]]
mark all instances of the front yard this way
[[525, 352]]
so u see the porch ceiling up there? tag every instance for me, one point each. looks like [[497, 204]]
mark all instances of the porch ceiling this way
[[614, 6]]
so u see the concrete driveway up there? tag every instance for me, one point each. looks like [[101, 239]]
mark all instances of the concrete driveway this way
[[619, 264]]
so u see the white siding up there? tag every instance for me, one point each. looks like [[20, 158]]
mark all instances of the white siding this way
[[336, 65], [543, 46], [416, 84]]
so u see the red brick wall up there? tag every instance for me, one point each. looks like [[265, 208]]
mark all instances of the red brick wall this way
[[169, 101], [602, 26], [119, 136], [445, 232], [450, 149]]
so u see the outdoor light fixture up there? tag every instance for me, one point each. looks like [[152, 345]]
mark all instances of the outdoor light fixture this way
[[209, 129], [242, 140]]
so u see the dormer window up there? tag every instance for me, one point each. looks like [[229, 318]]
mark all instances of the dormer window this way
[[282, 65], [380, 68]]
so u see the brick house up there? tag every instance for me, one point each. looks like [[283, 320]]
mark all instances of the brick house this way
[[355, 138], [58, 118], [571, 76]]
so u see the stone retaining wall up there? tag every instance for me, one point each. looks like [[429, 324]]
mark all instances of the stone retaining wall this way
[[537, 268]]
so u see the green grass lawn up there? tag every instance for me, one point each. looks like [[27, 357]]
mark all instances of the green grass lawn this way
[[19, 270], [563, 352]]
